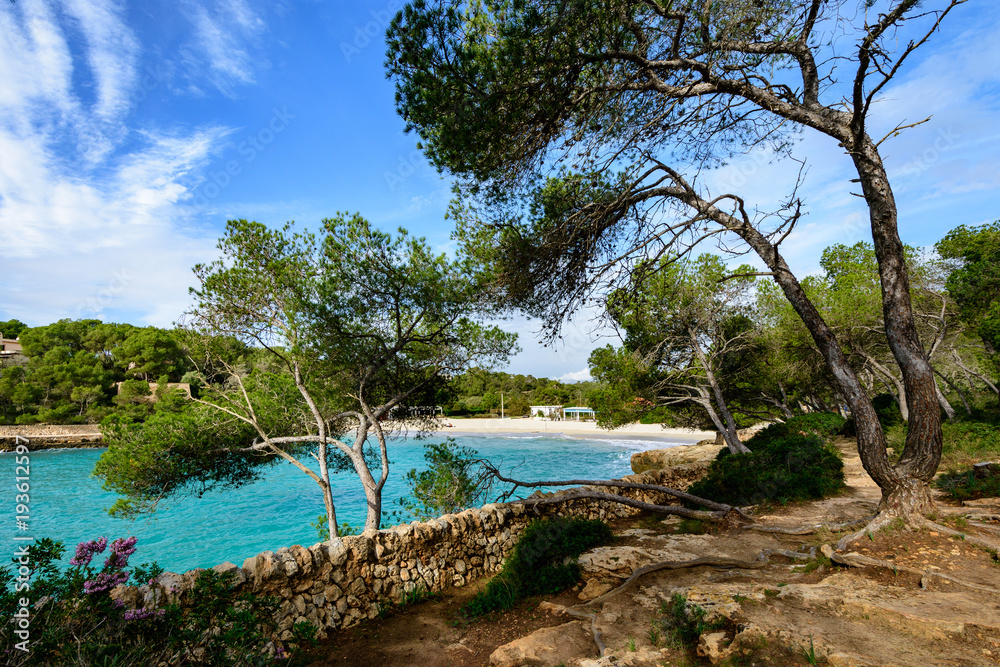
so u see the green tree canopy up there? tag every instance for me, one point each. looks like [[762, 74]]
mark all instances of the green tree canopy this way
[[150, 353], [686, 326], [12, 328], [579, 130], [974, 281], [308, 345]]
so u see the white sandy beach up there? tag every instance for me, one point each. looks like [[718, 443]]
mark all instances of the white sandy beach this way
[[572, 427]]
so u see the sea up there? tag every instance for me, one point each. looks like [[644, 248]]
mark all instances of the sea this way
[[68, 504]]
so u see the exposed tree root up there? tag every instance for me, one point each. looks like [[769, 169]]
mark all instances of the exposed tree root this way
[[794, 555], [810, 530], [857, 560], [762, 560], [876, 523], [886, 519], [983, 526], [721, 512], [730, 517]]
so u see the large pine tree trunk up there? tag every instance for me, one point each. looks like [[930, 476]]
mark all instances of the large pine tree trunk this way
[[922, 451], [904, 486]]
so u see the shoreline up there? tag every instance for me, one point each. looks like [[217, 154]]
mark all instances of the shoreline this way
[[571, 428], [462, 426]]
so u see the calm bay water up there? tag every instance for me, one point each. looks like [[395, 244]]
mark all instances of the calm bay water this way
[[187, 532]]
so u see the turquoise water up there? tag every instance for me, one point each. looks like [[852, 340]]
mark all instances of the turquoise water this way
[[187, 532]]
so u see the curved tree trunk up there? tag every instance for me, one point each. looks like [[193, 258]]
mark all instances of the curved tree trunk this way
[[728, 428], [922, 451], [901, 495], [373, 490]]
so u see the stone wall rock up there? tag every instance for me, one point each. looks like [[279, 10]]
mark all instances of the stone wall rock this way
[[658, 459], [44, 436], [342, 582]]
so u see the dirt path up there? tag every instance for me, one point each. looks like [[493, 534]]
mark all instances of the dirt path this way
[[786, 613]]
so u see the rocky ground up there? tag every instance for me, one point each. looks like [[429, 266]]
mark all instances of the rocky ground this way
[[933, 602]]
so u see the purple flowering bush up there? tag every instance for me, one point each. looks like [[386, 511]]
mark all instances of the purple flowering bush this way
[[75, 621]]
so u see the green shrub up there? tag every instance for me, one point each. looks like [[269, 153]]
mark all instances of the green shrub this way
[[544, 561], [964, 485], [783, 465], [817, 423], [684, 623]]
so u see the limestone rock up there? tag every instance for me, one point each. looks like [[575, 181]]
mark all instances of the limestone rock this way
[[595, 588], [986, 470], [552, 608], [645, 656], [621, 562], [565, 643], [239, 576], [656, 459], [710, 646]]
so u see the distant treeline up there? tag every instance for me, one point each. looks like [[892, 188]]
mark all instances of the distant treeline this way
[[70, 370]]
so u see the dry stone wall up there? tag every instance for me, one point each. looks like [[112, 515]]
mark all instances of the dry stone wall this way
[[42, 436], [340, 583]]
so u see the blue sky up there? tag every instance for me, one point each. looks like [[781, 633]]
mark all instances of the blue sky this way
[[130, 132]]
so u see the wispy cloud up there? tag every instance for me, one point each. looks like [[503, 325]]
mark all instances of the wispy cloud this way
[[223, 48], [112, 54], [90, 212]]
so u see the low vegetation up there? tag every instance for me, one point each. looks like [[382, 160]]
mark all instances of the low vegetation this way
[[543, 561], [75, 621], [965, 485], [683, 623], [784, 464]]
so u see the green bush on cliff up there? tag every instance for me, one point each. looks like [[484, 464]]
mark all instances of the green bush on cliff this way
[[783, 465], [544, 561]]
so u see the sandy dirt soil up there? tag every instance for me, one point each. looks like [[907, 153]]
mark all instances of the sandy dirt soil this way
[[789, 612]]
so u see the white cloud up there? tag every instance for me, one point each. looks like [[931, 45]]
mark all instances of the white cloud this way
[[90, 213], [112, 54], [222, 46], [579, 376]]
